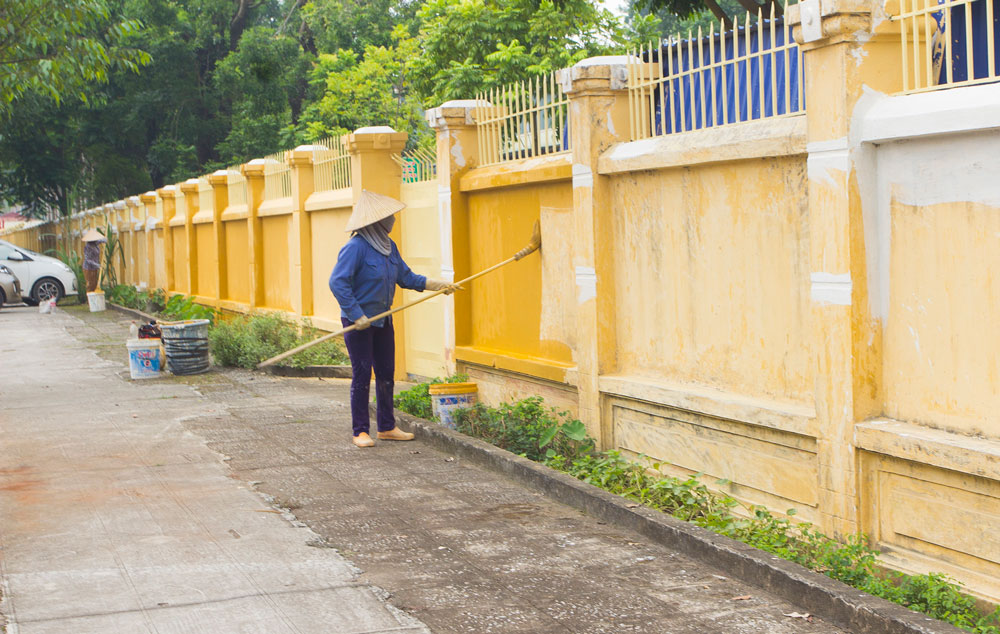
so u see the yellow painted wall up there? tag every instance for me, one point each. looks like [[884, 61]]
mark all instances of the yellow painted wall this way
[[238, 271], [712, 277], [328, 236], [942, 355], [506, 314], [421, 248], [159, 272], [141, 255], [205, 240], [275, 243], [180, 260]]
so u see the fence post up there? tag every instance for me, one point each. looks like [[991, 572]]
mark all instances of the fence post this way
[[457, 152], [300, 243], [189, 189], [254, 173], [372, 168], [169, 196], [120, 261], [132, 202], [219, 181], [598, 118]]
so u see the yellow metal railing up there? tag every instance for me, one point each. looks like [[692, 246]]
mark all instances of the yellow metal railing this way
[[419, 165], [947, 43], [277, 176], [237, 186], [522, 120], [332, 165], [747, 72]]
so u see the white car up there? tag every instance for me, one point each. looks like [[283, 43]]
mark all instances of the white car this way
[[41, 276]]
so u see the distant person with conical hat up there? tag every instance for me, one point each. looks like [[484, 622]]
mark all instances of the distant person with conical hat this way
[[92, 258], [364, 281]]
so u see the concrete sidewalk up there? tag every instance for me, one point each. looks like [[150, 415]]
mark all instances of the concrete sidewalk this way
[[115, 517]]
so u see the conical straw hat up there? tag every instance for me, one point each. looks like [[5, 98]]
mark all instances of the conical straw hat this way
[[371, 208], [94, 235]]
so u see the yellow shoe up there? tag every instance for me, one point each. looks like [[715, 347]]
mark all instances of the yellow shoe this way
[[364, 440], [395, 434]]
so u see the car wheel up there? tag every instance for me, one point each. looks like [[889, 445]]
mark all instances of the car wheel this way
[[46, 288]]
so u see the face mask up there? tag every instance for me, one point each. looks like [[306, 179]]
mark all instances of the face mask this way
[[387, 223]]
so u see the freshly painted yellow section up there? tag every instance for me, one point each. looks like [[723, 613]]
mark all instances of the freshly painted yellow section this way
[[275, 246], [206, 281], [238, 278], [506, 306], [180, 260]]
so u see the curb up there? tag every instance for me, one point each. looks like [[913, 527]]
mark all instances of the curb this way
[[831, 600]]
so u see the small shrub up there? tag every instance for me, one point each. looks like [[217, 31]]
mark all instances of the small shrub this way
[[526, 428], [417, 399], [75, 262], [245, 341], [181, 308]]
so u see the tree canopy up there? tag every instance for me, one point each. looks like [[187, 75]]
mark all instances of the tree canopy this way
[[104, 98]]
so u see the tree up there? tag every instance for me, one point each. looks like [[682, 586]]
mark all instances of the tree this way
[[60, 47], [470, 45], [689, 14], [333, 25], [351, 91]]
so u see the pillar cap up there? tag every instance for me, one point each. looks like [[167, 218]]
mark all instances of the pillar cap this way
[[830, 21], [167, 191], [600, 73], [119, 205], [133, 201], [148, 197], [255, 167], [456, 113], [190, 185], [376, 138]]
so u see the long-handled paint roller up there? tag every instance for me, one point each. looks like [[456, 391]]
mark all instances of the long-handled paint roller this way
[[533, 245]]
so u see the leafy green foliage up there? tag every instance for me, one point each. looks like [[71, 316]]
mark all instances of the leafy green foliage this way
[[112, 249], [75, 262], [245, 341], [417, 399], [526, 428], [181, 308], [56, 48]]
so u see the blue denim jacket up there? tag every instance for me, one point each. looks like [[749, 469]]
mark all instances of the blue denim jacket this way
[[364, 280]]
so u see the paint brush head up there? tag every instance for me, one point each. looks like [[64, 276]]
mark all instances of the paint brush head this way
[[533, 245]]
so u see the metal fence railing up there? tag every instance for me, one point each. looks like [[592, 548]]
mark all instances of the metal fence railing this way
[[419, 165], [752, 71], [277, 176], [522, 120], [948, 43], [331, 165]]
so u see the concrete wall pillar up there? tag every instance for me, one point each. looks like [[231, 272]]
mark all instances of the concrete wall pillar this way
[[149, 223], [457, 152], [169, 196], [841, 61], [300, 242], [254, 173], [220, 200], [189, 189], [373, 168], [132, 257], [598, 118]]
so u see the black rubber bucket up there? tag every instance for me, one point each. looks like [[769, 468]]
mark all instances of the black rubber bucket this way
[[186, 345]]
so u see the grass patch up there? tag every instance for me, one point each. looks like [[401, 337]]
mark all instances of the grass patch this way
[[245, 341], [560, 442], [417, 399]]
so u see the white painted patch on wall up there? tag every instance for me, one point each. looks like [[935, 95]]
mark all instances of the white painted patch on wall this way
[[456, 153], [611, 124], [447, 274], [444, 228], [586, 284], [825, 156], [582, 176], [831, 288]]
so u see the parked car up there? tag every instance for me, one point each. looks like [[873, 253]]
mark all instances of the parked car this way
[[46, 277], [10, 287]]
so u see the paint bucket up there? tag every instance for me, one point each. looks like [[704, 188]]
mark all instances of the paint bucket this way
[[96, 301], [448, 397], [186, 345], [144, 358]]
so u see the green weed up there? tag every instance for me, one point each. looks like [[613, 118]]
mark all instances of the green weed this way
[[417, 399], [245, 341]]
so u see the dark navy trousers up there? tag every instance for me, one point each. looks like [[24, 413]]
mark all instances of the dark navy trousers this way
[[371, 348]]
